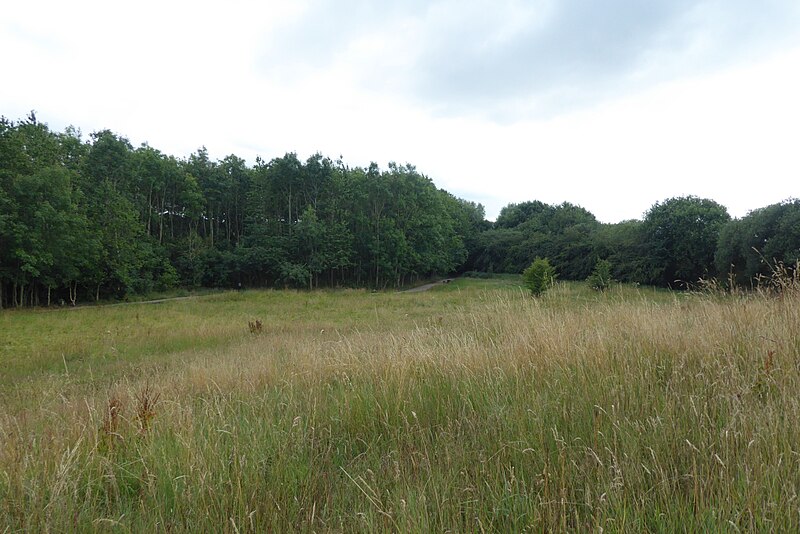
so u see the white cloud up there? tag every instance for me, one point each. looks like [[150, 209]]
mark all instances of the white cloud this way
[[669, 102], [731, 137]]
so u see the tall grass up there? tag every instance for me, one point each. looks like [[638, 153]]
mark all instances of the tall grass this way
[[470, 408]]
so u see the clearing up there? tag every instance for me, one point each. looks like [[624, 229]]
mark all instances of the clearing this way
[[468, 407]]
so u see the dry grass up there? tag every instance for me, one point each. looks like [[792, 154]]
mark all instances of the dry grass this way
[[472, 408]]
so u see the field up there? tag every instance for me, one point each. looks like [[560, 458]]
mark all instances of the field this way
[[468, 408]]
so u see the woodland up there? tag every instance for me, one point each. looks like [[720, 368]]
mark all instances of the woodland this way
[[88, 219]]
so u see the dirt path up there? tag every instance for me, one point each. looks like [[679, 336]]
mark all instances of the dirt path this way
[[91, 305], [426, 287], [417, 289], [156, 301]]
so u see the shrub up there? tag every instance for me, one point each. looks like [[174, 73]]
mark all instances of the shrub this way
[[600, 279], [539, 276]]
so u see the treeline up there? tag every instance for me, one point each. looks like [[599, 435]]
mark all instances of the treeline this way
[[679, 242], [97, 218], [102, 219]]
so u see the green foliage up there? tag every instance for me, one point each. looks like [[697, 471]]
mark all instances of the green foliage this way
[[99, 218], [681, 238], [600, 279], [624, 245], [564, 233], [767, 236], [539, 276], [493, 251]]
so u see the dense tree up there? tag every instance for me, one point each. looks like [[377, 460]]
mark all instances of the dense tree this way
[[625, 247], [110, 158], [235, 187], [681, 235], [751, 246], [98, 218], [40, 219], [563, 233], [492, 251], [514, 215]]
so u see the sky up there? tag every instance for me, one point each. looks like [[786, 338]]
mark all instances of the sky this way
[[612, 105]]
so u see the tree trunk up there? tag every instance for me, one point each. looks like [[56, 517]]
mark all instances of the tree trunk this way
[[73, 292], [48, 295], [172, 219], [228, 225], [161, 221], [97, 294], [149, 208]]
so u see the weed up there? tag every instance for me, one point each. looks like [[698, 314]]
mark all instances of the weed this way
[[781, 279], [146, 402], [110, 430]]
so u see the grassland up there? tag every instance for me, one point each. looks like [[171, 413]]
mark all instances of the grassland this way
[[469, 408]]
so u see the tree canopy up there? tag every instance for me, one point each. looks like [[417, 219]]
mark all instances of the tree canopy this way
[[681, 238], [751, 246], [91, 218], [102, 219]]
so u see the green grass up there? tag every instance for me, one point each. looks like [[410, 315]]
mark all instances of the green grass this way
[[471, 407]]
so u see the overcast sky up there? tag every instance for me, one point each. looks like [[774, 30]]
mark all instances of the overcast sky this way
[[608, 104]]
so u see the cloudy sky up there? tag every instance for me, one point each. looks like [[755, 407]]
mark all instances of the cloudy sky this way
[[609, 104]]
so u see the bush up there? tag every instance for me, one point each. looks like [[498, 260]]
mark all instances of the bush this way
[[600, 279], [539, 276]]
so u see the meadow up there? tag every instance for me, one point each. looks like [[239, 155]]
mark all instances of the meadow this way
[[468, 408]]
